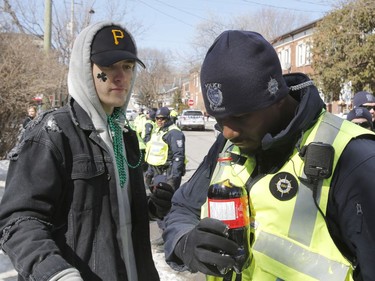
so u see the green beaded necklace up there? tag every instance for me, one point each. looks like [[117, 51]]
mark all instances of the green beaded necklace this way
[[116, 131]]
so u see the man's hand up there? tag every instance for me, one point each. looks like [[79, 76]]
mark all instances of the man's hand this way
[[207, 248], [160, 199]]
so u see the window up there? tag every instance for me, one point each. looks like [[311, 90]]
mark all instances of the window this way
[[303, 54], [285, 59]]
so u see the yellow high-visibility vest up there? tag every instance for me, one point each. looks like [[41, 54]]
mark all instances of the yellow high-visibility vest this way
[[156, 148], [292, 241]]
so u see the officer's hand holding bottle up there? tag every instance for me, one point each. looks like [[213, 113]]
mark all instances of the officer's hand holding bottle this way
[[207, 249]]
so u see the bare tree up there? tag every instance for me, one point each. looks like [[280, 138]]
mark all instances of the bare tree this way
[[150, 80], [270, 22], [267, 21], [25, 72], [68, 19]]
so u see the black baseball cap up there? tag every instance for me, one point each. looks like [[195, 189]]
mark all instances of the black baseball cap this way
[[112, 44]]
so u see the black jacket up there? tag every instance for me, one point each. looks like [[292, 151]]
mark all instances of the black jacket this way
[[60, 205]]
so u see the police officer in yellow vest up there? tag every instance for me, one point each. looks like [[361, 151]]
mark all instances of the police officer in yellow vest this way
[[139, 127], [309, 175], [149, 125], [174, 115], [165, 152], [165, 156]]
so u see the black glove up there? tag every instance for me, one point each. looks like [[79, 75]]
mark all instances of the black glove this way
[[172, 183], [160, 199], [207, 248]]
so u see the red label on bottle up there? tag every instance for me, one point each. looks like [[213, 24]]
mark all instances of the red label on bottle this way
[[234, 212]]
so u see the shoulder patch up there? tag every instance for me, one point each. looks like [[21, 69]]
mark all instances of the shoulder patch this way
[[283, 186], [179, 143]]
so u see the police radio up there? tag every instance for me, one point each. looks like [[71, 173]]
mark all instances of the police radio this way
[[318, 158]]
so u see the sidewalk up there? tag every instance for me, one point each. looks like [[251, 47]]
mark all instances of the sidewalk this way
[[165, 272]]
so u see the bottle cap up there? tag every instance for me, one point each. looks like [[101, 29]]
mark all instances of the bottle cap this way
[[224, 157]]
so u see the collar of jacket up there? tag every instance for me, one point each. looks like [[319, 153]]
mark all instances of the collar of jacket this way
[[79, 116], [309, 109], [166, 125]]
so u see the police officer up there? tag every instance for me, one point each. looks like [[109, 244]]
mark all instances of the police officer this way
[[139, 122], [174, 115], [165, 152], [165, 156], [309, 175], [360, 116], [366, 100], [149, 125], [139, 127]]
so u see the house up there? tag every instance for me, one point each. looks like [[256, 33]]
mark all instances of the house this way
[[294, 50]]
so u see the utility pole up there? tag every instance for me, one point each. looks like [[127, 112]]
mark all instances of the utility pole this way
[[47, 24], [72, 20]]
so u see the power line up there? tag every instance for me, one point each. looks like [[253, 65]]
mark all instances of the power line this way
[[181, 10], [320, 3], [173, 17], [279, 7], [314, 3]]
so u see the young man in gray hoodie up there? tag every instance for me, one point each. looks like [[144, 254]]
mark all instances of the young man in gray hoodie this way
[[80, 212]]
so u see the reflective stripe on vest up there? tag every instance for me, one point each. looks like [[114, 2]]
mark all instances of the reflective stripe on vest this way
[[300, 259], [301, 228]]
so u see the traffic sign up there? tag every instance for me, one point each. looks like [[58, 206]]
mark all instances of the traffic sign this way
[[190, 102]]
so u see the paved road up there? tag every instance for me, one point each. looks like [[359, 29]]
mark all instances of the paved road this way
[[197, 145]]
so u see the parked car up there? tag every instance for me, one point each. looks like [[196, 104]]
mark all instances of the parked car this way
[[191, 119]]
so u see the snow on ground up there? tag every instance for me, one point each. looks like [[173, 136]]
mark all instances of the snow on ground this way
[[3, 171], [168, 274]]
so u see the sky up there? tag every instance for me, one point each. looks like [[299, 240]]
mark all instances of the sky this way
[[170, 24]]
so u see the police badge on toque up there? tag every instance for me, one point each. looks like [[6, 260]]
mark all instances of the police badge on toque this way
[[214, 96]]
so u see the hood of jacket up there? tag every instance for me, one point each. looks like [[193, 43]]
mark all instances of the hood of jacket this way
[[80, 79], [310, 106]]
